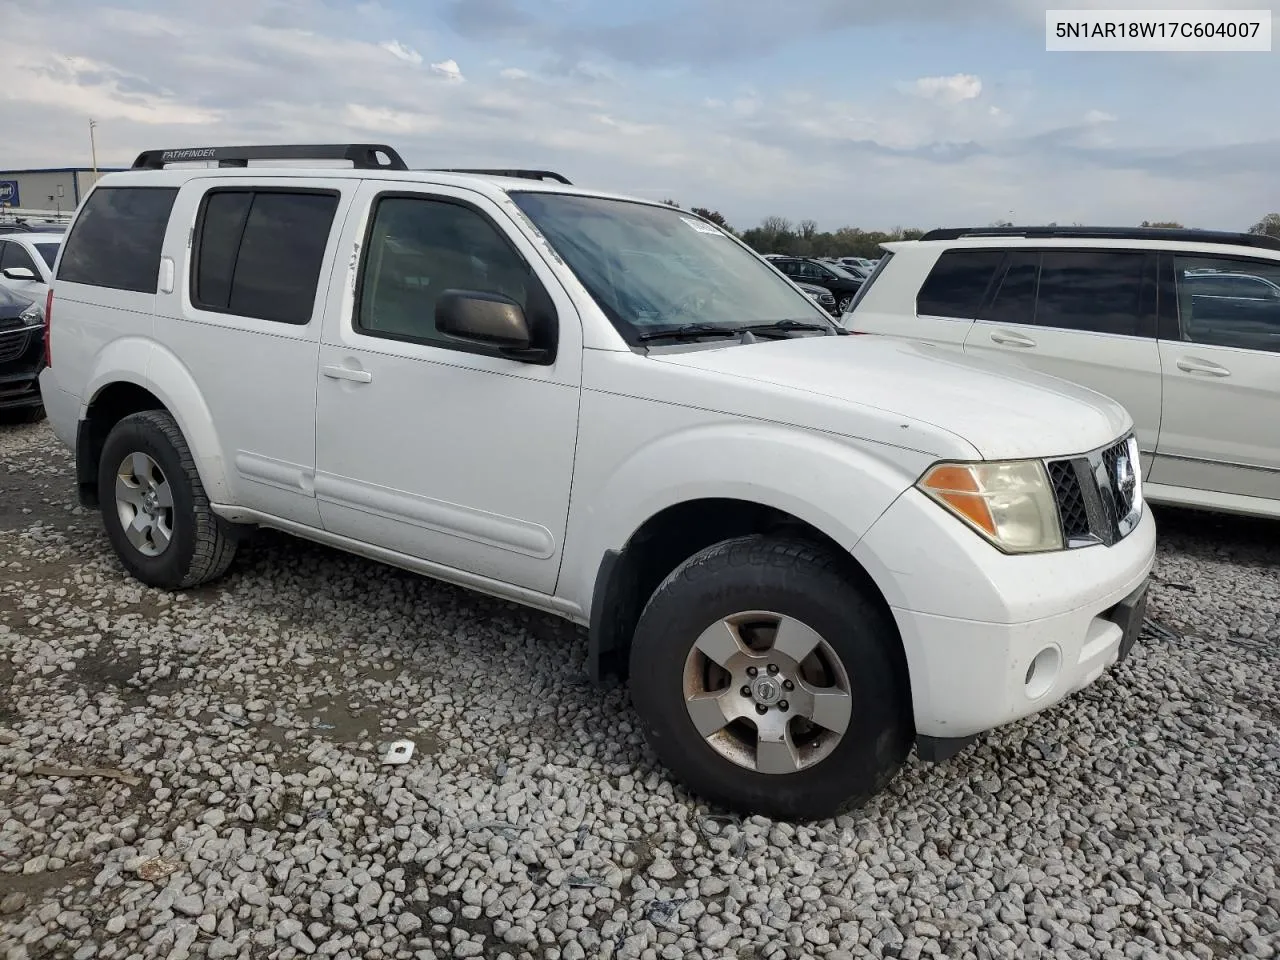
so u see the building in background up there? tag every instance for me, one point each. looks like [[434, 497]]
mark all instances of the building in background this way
[[56, 189]]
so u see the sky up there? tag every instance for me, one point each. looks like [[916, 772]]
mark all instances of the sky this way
[[868, 113]]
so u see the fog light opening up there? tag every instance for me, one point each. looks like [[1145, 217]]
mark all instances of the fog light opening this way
[[1043, 672]]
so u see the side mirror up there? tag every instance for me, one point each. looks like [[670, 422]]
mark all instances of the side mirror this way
[[19, 273], [487, 319]]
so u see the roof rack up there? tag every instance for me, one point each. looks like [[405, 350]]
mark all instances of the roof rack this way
[[517, 174], [1183, 234], [363, 156]]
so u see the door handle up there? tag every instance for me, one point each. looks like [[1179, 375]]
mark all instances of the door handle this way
[[335, 372], [1012, 340], [1189, 365]]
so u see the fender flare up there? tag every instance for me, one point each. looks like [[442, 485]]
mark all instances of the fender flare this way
[[146, 364], [835, 485]]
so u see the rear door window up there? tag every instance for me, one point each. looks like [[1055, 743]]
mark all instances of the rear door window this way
[[1015, 298], [259, 252], [958, 283], [1229, 302], [117, 237]]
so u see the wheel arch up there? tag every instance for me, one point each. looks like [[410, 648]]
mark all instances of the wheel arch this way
[[119, 390], [627, 577]]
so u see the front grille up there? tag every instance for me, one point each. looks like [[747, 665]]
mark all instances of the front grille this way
[[1071, 506], [1111, 459], [1096, 495], [13, 345]]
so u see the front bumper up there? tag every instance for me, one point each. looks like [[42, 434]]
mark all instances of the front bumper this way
[[992, 638]]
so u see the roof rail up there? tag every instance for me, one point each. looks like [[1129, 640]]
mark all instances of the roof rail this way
[[1183, 234], [363, 156], [517, 174]]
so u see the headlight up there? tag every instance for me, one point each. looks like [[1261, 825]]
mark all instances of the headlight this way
[[1011, 503], [33, 316]]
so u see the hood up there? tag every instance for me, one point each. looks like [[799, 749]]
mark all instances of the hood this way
[[1004, 412]]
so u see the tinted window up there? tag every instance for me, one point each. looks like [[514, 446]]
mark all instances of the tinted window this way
[[957, 283], [419, 248], [260, 253], [15, 255], [48, 252], [1227, 302], [117, 238], [221, 227], [1015, 300], [1090, 290]]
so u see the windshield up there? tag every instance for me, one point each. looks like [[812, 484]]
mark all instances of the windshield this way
[[48, 252], [652, 268]]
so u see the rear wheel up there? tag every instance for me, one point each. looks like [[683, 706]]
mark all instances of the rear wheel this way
[[843, 306], [154, 507], [766, 681]]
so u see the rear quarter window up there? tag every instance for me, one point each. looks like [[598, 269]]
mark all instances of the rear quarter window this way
[[117, 237]]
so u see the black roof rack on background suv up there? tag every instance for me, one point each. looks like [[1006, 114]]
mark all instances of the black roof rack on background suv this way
[[363, 156], [517, 174], [1183, 234]]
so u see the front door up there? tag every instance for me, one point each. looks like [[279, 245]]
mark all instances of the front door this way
[[433, 448], [1221, 357]]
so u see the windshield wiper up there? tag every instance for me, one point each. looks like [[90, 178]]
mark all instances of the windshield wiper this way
[[790, 325], [690, 331]]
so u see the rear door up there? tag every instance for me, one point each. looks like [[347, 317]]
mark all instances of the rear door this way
[[1088, 316], [238, 304], [1220, 344]]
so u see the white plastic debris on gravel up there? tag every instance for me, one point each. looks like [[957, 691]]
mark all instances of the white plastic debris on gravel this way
[[1139, 820]]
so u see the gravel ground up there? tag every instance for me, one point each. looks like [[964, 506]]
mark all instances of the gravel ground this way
[[1139, 820]]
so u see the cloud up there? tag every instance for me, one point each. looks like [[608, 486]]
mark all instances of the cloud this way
[[1099, 116], [399, 50], [950, 152], [449, 70], [953, 89]]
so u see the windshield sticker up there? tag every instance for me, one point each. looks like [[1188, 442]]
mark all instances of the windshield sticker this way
[[702, 227]]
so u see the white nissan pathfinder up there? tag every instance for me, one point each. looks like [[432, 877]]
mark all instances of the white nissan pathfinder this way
[[807, 551]]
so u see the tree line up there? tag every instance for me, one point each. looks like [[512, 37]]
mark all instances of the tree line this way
[[804, 239]]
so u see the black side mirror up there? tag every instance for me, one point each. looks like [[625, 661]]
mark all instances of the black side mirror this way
[[489, 320]]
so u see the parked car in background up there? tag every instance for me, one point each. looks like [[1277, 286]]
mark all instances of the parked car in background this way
[[21, 357], [1182, 327], [806, 551], [842, 284], [824, 297], [26, 262]]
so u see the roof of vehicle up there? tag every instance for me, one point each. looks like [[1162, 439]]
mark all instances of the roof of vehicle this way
[[37, 236], [368, 162], [1170, 238]]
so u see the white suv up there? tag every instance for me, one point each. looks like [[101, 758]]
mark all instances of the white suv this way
[[806, 550], [1182, 327]]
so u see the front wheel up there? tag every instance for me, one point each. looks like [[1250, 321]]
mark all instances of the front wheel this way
[[766, 681], [154, 506], [843, 306]]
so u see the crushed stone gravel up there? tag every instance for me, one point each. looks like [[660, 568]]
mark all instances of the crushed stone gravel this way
[[1140, 819]]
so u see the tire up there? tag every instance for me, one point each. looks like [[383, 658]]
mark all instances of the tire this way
[[199, 545], [804, 585], [843, 306]]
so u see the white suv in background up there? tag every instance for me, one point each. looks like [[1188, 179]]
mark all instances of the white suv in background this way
[[1182, 327], [806, 550]]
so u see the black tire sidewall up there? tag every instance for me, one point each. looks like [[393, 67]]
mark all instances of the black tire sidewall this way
[[138, 434], [879, 732]]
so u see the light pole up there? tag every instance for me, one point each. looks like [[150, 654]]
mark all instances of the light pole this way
[[93, 147]]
